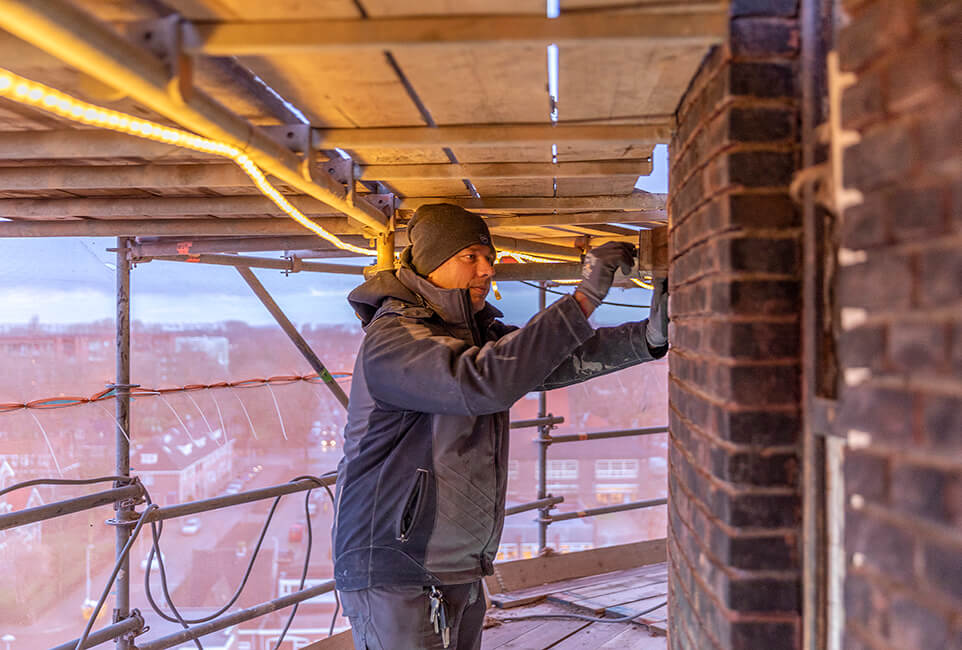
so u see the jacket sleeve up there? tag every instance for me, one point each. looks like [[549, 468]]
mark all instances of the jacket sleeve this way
[[410, 366], [610, 349]]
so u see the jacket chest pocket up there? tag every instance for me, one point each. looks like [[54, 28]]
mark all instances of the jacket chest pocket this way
[[413, 505]]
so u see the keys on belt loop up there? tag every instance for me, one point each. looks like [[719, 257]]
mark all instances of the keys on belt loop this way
[[439, 615]]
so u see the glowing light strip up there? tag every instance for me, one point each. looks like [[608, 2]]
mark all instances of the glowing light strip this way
[[53, 101]]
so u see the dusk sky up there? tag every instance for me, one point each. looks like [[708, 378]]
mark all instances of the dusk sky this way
[[71, 280]]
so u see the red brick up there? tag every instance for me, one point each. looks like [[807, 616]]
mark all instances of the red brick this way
[[941, 273], [764, 8], [916, 213], [884, 155], [952, 46], [760, 254], [921, 491], [761, 594], [943, 568], [884, 413], [863, 347], [938, 13], [915, 626], [943, 423], [755, 468], [758, 426], [866, 604], [763, 37], [755, 297], [885, 548], [956, 349], [882, 25], [752, 340], [862, 102], [939, 129], [760, 124], [755, 385], [762, 80], [861, 285], [755, 635], [865, 225], [915, 77], [867, 475], [915, 346]]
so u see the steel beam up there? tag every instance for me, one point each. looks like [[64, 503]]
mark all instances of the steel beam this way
[[686, 24], [182, 246], [68, 506], [646, 217], [637, 167], [129, 626], [601, 435], [633, 201], [292, 333], [226, 501], [494, 135], [157, 227], [540, 504], [537, 422], [243, 261], [219, 174], [73, 36], [604, 510], [119, 208]]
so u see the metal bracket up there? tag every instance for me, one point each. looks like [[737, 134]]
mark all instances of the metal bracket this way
[[343, 170], [164, 38], [296, 137], [386, 203]]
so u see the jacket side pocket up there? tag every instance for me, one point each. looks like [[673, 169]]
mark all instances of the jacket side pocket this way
[[413, 505]]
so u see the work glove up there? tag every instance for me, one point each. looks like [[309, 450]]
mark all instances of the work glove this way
[[657, 331], [598, 270]]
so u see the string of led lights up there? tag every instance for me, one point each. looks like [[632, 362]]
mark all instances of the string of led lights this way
[[64, 401], [56, 102], [26, 91]]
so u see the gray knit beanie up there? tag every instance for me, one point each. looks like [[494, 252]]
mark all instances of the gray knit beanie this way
[[440, 230]]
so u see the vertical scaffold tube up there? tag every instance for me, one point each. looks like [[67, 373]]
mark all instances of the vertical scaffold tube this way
[[122, 413], [542, 449]]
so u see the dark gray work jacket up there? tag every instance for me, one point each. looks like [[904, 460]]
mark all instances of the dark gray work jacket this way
[[421, 487]]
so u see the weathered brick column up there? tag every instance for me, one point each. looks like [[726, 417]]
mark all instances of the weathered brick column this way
[[900, 296], [735, 507]]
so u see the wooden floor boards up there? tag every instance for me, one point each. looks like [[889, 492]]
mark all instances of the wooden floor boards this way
[[619, 593]]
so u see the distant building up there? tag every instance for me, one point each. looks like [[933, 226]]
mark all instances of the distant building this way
[[177, 468]]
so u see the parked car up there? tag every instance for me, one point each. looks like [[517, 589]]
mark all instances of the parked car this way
[[191, 526]]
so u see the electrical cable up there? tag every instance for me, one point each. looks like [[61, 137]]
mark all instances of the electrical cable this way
[[125, 552], [65, 481], [605, 302], [582, 617]]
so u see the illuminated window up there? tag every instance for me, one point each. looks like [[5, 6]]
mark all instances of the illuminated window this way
[[507, 552], [529, 550], [609, 468], [558, 470], [608, 494]]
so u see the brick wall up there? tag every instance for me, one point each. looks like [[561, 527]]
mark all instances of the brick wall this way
[[735, 504], [901, 307]]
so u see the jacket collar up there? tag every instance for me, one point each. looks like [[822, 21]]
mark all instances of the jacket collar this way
[[453, 306]]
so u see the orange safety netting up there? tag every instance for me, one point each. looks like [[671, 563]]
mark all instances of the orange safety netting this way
[[64, 401]]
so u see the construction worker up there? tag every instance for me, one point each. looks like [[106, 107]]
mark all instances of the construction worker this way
[[421, 487]]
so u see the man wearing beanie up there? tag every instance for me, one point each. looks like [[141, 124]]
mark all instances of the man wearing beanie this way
[[421, 487]]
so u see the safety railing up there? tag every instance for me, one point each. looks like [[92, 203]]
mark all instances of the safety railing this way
[[545, 423]]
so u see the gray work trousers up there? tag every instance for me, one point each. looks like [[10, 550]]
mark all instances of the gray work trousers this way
[[398, 618]]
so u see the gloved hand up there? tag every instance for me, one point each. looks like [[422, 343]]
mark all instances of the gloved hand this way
[[598, 270], [657, 331]]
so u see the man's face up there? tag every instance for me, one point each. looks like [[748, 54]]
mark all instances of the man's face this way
[[470, 268]]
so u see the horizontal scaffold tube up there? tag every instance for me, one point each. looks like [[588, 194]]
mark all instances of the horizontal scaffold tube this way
[[537, 422], [601, 435], [69, 506], [547, 502], [133, 624], [216, 503], [223, 622], [604, 510]]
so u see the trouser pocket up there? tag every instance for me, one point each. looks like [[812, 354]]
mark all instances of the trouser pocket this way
[[413, 505]]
